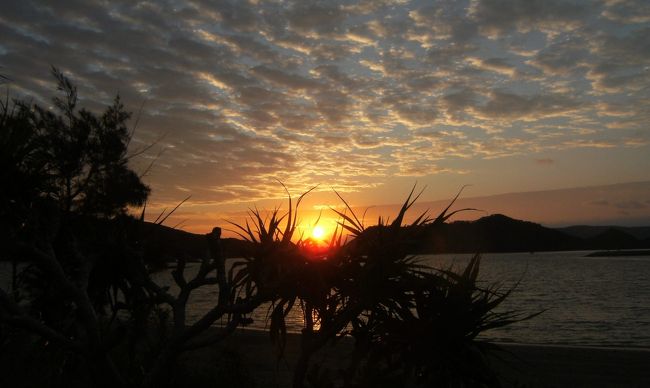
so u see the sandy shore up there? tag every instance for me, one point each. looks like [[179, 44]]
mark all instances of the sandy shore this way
[[566, 366], [520, 366]]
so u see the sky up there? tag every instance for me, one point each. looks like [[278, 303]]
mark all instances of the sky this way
[[362, 97]]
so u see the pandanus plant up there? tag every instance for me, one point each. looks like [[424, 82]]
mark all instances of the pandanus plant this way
[[432, 339], [408, 320], [279, 268]]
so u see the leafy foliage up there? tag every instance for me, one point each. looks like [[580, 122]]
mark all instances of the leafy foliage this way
[[433, 342], [65, 186], [87, 160], [411, 323], [63, 163], [61, 170]]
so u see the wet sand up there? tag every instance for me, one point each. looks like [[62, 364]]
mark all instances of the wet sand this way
[[519, 365]]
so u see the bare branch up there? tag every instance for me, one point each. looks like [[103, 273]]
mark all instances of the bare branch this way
[[145, 148], [151, 164]]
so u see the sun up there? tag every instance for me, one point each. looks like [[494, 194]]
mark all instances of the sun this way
[[318, 232]]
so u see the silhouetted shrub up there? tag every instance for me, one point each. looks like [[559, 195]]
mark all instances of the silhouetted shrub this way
[[412, 324]]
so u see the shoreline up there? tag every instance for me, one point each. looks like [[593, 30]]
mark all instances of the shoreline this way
[[256, 330], [572, 346], [621, 253], [518, 365], [588, 252]]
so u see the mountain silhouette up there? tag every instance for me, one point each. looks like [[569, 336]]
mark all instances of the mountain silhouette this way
[[614, 239], [493, 233], [589, 231]]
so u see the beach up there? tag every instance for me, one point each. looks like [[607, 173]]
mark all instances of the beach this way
[[518, 365]]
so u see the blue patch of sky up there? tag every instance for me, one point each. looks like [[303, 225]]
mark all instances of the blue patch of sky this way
[[385, 151], [32, 35], [529, 41], [94, 68], [248, 60], [619, 29], [110, 55], [628, 71], [352, 67], [400, 131], [491, 48], [523, 87]]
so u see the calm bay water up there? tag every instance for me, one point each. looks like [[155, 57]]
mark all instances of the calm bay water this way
[[587, 301]]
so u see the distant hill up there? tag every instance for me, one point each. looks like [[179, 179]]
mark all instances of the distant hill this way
[[587, 231], [494, 233], [614, 239], [497, 233], [164, 244]]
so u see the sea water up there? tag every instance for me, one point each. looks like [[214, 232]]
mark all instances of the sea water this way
[[603, 301]]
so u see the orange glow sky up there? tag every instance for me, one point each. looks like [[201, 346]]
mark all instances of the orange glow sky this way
[[365, 97]]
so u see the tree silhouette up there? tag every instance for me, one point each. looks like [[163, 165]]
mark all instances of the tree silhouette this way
[[65, 182], [87, 155], [66, 187]]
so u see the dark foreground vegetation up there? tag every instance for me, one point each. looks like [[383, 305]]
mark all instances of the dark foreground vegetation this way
[[86, 311]]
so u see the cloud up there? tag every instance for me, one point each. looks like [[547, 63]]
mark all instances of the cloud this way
[[497, 65], [308, 17], [599, 202], [631, 205], [505, 105], [500, 16], [623, 205], [627, 11], [340, 93], [563, 57]]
